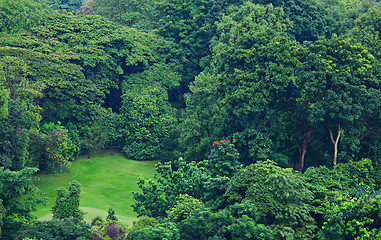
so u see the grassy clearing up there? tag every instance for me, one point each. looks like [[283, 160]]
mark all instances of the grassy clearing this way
[[108, 180]]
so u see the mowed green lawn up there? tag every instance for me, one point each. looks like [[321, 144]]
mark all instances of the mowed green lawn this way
[[108, 180]]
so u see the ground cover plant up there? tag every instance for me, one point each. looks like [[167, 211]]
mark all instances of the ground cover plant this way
[[108, 180]]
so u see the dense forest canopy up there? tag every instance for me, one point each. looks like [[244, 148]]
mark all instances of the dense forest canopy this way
[[265, 115]]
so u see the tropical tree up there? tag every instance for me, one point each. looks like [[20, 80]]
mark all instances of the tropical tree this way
[[19, 198], [280, 197], [67, 202]]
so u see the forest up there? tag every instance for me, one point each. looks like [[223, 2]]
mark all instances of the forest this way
[[265, 116]]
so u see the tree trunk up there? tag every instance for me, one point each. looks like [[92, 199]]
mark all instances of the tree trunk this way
[[335, 143], [303, 145]]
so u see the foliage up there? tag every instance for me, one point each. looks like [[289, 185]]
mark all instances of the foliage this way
[[67, 228], [4, 96], [174, 178], [131, 13], [111, 229], [21, 15], [66, 5], [67, 96], [167, 230], [19, 198], [146, 119], [238, 222], [280, 196], [51, 149], [352, 218], [223, 159], [184, 207], [310, 19], [13, 136], [111, 215], [252, 66], [67, 202]]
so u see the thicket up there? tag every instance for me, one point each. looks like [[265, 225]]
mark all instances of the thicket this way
[[265, 114]]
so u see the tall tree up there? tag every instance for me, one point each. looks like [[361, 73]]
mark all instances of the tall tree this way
[[252, 67]]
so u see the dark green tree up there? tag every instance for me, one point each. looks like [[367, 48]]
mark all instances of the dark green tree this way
[[14, 138], [66, 5], [51, 149], [67, 202], [280, 197], [111, 215], [19, 198], [131, 13], [68, 228], [160, 194]]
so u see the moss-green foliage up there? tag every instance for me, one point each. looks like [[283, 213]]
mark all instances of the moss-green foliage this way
[[240, 221], [173, 178], [66, 5], [146, 115], [352, 218], [67, 202], [19, 198], [223, 159], [14, 138], [132, 13], [280, 196], [68, 95], [167, 230], [310, 19], [68, 228], [51, 148], [184, 207], [253, 63]]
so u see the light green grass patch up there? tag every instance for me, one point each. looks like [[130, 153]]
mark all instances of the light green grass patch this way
[[108, 180]]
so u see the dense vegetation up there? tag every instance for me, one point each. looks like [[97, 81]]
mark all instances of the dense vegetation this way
[[265, 115]]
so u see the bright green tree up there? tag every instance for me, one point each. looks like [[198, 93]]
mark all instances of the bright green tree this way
[[21, 15]]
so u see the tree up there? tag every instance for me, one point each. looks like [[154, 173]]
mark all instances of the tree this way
[[160, 194], [349, 93], [131, 13], [68, 228], [14, 139], [239, 221], [146, 119], [67, 202], [4, 95], [310, 19], [51, 149], [184, 207], [67, 5], [19, 198], [352, 218], [21, 15], [252, 68], [111, 215], [223, 159], [280, 197]]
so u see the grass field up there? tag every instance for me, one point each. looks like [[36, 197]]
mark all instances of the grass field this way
[[108, 180]]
